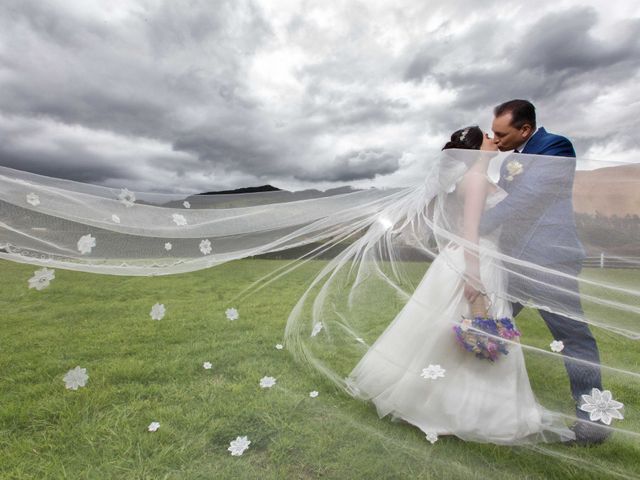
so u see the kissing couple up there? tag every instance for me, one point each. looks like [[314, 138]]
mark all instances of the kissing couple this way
[[510, 243]]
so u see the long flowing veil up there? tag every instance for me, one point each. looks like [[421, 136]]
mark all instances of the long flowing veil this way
[[375, 245]]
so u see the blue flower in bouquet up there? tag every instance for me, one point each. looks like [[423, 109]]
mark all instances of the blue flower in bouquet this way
[[487, 338]]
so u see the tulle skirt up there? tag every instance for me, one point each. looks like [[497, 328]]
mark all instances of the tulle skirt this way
[[475, 400]]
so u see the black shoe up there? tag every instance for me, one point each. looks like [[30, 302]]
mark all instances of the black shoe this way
[[589, 433]]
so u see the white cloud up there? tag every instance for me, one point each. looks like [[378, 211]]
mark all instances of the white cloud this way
[[187, 96]]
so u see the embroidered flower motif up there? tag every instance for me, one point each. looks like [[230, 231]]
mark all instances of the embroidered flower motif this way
[[314, 394], [41, 278], [232, 314], [556, 346], [432, 437], [207, 365], [317, 327], [513, 168], [267, 382], [186, 204], [115, 218], [33, 199], [168, 246], [157, 311], [179, 219], [279, 346], [126, 197], [601, 406], [238, 446], [205, 247], [75, 378], [433, 372], [153, 426], [86, 243]]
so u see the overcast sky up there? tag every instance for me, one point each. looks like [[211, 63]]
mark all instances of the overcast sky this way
[[195, 95]]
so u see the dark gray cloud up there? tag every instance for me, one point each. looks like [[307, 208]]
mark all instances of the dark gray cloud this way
[[363, 164], [553, 55], [169, 95], [59, 165], [564, 42]]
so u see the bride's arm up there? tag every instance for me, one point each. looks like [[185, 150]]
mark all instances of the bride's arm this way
[[474, 187]]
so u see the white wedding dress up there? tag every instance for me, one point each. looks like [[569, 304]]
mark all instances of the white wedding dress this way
[[476, 400]]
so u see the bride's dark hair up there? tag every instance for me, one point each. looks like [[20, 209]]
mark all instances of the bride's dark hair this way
[[469, 138]]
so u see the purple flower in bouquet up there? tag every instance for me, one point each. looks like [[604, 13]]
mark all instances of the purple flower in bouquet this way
[[486, 337]]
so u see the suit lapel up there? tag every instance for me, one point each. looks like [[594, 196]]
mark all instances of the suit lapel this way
[[533, 145]]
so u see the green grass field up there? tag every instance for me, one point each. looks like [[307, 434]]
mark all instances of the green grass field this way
[[142, 370]]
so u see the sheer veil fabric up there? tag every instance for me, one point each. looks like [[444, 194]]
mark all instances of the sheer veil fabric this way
[[383, 306]]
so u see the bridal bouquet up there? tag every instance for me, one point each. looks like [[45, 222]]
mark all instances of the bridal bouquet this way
[[486, 336]]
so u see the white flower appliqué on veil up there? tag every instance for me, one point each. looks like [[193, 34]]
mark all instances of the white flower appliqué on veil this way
[[238, 446], [33, 199], [153, 426], [157, 311], [433, 372], [267, 382], [556, 346], [601, 406], [41, 278], [186, 204], [126, 197], [432, 437], [76, 377], [86, 244], [232, 314], [179, 219], [115, 218], [205, 247]]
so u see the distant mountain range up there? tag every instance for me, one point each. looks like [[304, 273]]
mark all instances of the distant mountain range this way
[[262, 188], [260, 195]]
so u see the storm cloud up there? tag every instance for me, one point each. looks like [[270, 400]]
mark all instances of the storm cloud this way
[[194, 96]]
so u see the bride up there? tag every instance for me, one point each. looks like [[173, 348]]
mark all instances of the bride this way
[[416, 372]]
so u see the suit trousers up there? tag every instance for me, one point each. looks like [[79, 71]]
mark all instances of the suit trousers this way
[[580, 346]]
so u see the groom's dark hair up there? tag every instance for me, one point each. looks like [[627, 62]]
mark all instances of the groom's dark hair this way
[[522, 112]]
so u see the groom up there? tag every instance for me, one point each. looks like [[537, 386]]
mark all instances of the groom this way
[[538, 227]]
